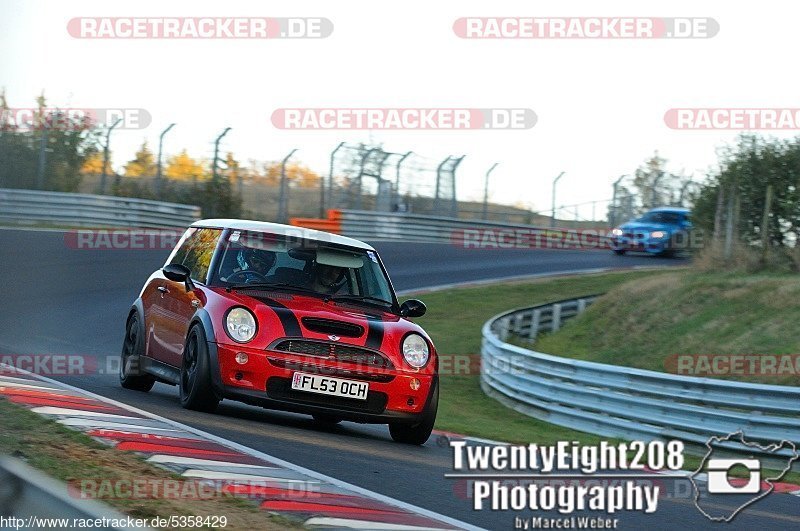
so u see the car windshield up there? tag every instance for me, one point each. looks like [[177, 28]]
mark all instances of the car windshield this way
[[254, 259], [672, 218]]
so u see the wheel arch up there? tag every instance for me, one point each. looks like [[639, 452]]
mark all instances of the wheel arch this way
[[203, 318], [137, 308]]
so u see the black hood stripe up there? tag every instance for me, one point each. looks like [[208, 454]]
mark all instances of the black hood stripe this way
[[375, 334], [291, 326]]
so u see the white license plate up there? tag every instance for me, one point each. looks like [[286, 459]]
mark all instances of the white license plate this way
[[324, 385]]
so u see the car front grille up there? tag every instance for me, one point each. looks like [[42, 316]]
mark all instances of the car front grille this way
[[334, 352]]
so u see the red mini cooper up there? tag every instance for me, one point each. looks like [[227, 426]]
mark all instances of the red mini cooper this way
[[285, 318]]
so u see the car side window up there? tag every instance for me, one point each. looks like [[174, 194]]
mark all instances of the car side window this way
[[196, 252]]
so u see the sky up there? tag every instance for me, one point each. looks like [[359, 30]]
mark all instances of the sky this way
[[600, 103]]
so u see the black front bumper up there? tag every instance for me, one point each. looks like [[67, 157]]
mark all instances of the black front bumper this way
[[278, 395]]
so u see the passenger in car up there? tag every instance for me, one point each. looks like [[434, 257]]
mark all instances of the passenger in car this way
[[327, 278]]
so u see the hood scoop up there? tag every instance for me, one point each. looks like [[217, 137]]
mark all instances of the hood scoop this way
[[332, 327]]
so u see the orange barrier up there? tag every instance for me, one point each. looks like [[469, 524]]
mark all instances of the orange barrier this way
[[332, 224]]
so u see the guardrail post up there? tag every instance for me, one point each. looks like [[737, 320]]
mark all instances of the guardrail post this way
[[504, 328], [555, 325], [581, 306], [535, 318]]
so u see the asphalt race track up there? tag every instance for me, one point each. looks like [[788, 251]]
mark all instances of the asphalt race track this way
[[58, 300]]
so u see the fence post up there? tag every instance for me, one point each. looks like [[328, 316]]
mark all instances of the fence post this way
[[765, 225], [436, 204], [42, 160], [329, 191], [397, 180], [283, 198], [731, 220], [106, 157]]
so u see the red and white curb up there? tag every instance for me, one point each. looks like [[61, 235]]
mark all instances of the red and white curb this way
[[196, 455]]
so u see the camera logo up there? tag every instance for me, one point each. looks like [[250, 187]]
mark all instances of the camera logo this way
[[745, 480], [718, 473]]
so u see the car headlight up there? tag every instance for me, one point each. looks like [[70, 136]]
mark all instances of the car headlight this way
[[617, 232], [415, 350], [658, 234], [241, 325]]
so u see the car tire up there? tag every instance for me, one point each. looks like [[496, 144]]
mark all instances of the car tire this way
[[619, 251], [326, 420], [196, 391], [418, 433], [132, 351]]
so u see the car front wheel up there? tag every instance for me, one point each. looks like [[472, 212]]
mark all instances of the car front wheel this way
[[420, 432], [130, 376], [196, 391]]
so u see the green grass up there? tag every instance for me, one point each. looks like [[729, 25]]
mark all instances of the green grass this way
[[68, 455], [648, 323]]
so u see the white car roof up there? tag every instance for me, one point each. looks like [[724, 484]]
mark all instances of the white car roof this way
[[278, 228]]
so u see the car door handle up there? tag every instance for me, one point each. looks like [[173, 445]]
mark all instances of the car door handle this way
[[163, 289]]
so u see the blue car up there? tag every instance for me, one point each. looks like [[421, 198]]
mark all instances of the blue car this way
[[662, 231]]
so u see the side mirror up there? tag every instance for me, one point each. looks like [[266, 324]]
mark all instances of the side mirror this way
[[176, 272], [413, 308], [179, 273]]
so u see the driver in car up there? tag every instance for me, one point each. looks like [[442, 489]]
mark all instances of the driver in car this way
[[251, 266]]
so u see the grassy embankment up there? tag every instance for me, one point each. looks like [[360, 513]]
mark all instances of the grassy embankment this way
[[645, 318]]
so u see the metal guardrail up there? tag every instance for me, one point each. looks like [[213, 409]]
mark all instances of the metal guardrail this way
[[624, 402], [369, 225], [37, 501], [85, 210]]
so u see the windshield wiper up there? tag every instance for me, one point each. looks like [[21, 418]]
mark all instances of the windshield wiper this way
[[360, 298], [266, 285]]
